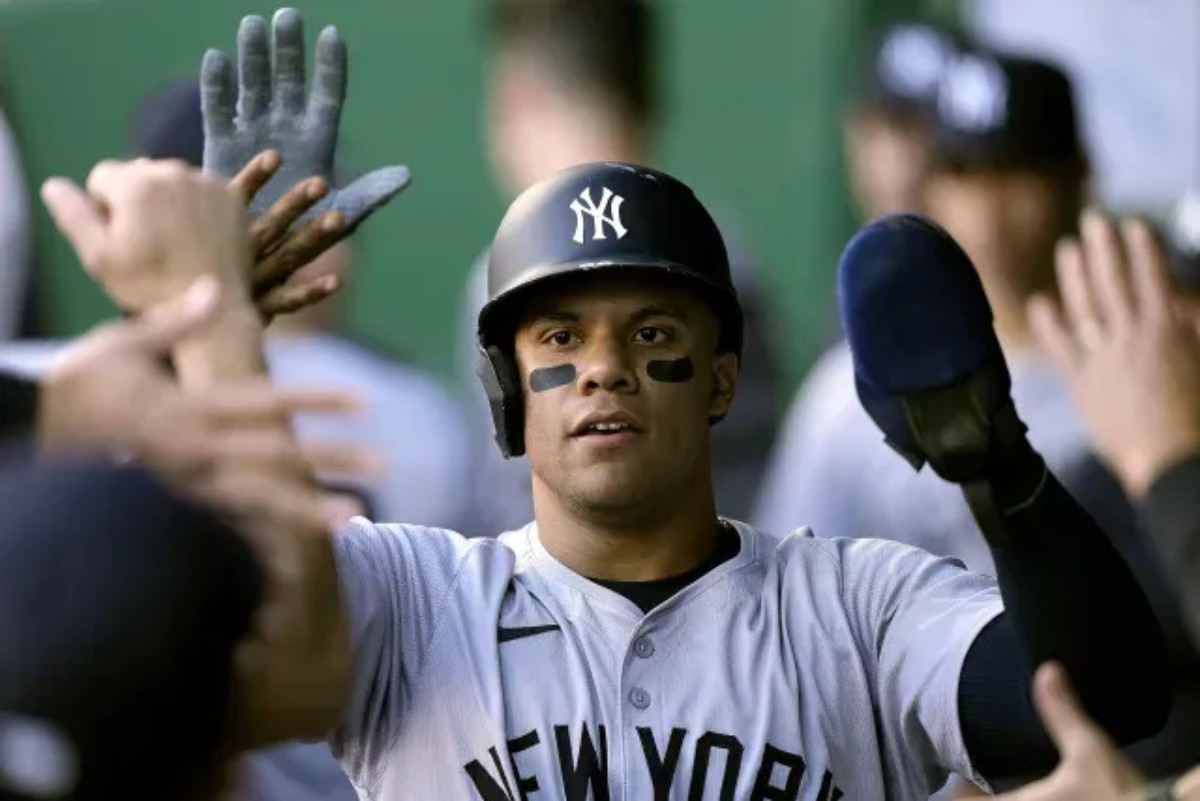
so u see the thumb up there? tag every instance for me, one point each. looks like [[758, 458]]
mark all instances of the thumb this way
[[77, 216], [1073, 732], [370, 192], [163, 326]]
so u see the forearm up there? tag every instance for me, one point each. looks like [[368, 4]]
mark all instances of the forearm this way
[[1069, 597], [1172, 518], [295, 685], [229, 350], [296, 689]]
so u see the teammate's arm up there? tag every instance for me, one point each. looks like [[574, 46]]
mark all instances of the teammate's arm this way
[[1172, 518], [1131, 357], [1069, 597], [943, 399], [147, 231]]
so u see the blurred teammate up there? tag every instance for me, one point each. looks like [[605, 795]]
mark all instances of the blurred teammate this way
[[1007, 179], [139, 613], [410, 417], [888, 127], [1130, 353], [140, 610], [1127, 339], [571, 83], [888, 134]]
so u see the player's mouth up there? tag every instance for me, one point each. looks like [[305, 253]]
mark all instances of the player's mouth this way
[[607, 428]]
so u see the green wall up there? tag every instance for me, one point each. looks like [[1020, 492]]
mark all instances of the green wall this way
[[753, 97]]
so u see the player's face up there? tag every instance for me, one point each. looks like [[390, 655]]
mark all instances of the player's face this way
[[886, 160], [1007, 221], [621, 379]]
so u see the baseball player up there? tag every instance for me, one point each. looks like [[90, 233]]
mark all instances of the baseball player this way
[[630, 643]]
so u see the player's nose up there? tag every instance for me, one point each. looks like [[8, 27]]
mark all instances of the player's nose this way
[[607, 365]]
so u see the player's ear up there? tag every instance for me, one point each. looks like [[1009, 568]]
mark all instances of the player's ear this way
[[724, 384]]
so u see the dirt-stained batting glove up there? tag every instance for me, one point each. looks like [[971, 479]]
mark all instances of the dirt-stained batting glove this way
[[267, 107]]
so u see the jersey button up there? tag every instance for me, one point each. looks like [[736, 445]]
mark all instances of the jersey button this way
[[643, 647], [639, 698]]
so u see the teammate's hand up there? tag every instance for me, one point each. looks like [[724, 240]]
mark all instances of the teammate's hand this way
[[1130, 358], [268, 109], [145, 230], [281, 249], [1091, 767], [110, 391]]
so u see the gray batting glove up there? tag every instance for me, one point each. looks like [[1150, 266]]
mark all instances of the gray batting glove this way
[[267, 109]]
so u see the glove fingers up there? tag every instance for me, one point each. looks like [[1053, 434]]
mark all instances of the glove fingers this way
[[376, 189], [218, 95], [254, 69], [289, 76], [329, 81]]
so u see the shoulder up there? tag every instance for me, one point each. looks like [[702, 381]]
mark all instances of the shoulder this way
[[865, 561], [422, 550]]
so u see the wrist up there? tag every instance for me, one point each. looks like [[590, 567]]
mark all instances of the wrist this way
[[229, 349], [1138, 470], [1165, 790]]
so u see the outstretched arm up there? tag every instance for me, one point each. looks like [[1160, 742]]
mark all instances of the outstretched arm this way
[[1068, 597], [1130, 353], [938, 386], [162, 227]]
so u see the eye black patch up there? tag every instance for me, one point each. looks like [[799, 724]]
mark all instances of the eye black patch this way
[[675, 371], [545, 378]]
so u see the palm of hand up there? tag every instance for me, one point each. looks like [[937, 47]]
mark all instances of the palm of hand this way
[[304, 154], [1160, 362]]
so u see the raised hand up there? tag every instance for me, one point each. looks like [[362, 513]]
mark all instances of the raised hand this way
[[281, 248], [267, 108], [109, 391], [146, 230], [1130, 357]]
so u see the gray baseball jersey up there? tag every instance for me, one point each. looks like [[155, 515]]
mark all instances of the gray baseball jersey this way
[[802, 668]]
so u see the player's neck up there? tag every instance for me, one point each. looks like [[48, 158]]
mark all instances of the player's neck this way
[[661, 540], [1010, 304], [1011, 324]]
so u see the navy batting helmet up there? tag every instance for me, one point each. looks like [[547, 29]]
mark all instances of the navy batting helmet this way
[[595, 219]]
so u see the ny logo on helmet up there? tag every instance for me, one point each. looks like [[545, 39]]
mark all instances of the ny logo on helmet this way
[[606, 212]]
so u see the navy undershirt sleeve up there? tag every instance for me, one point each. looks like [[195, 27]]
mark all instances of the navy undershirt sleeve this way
[[1069, 597]]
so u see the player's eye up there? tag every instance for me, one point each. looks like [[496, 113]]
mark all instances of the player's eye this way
[[651, 335], [559, 339]]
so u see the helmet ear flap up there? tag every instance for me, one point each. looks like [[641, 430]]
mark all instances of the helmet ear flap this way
[[502, 384]]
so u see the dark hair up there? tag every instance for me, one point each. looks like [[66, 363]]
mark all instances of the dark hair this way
[[604, 48]]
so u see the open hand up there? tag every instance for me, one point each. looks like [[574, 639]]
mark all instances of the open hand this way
[[267, 109], [146, 230], [281, 248], [110, 392], [1130, 357]]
